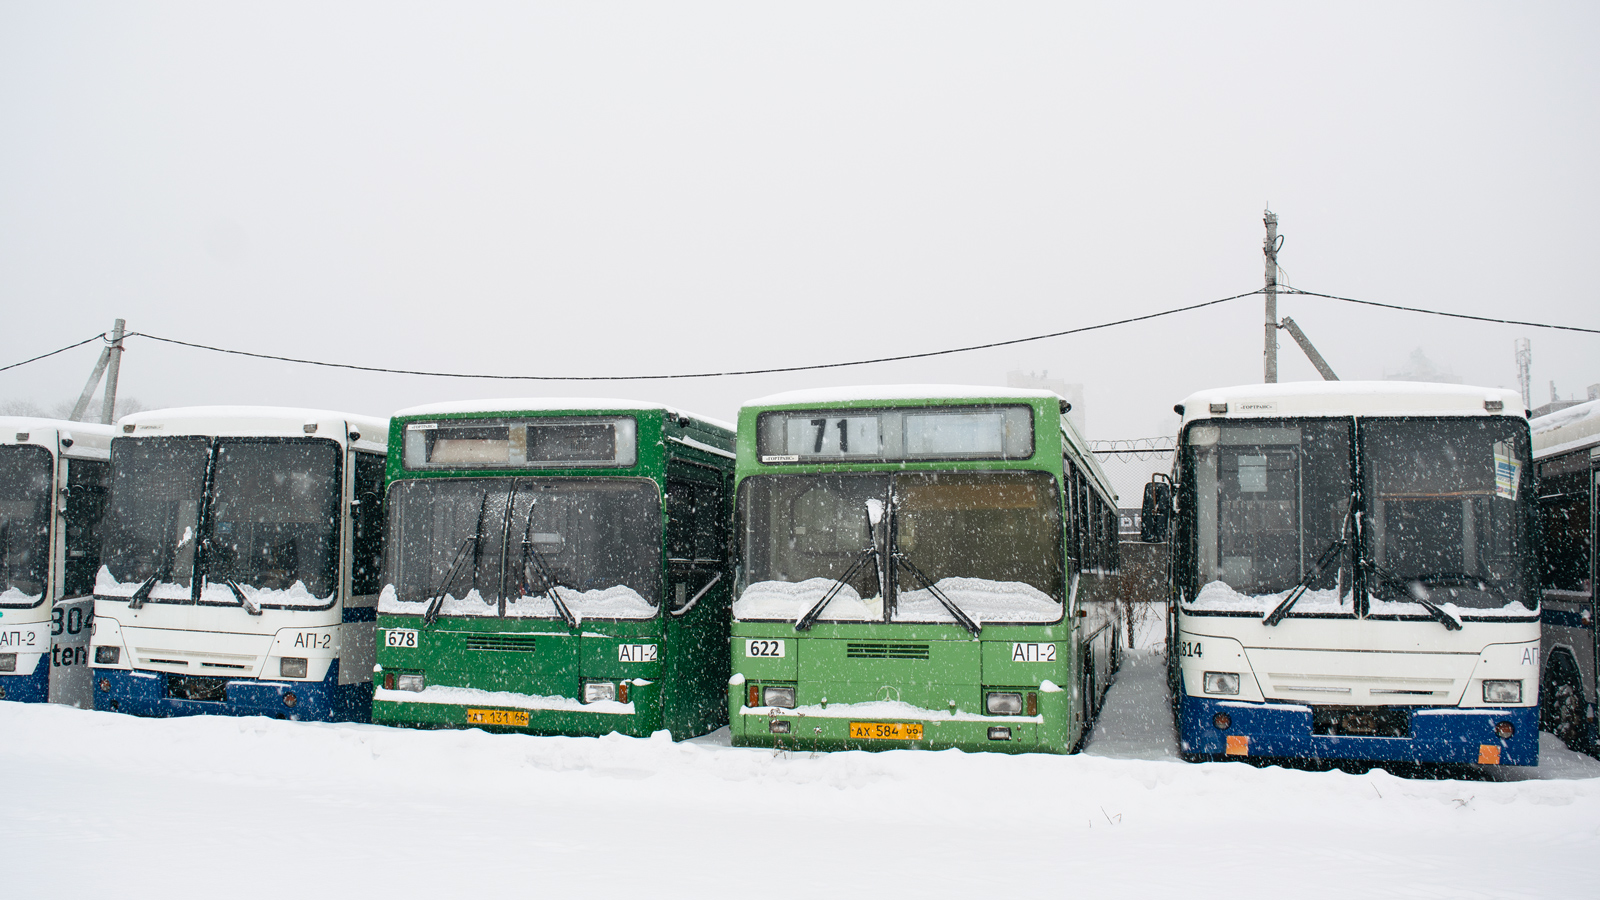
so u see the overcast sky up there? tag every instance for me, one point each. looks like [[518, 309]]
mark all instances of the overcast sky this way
[[619, 188]]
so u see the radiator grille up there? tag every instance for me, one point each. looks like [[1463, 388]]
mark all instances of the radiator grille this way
[[884, 650], [507, 643]]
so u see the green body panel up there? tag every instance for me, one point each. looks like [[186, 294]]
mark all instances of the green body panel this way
[[682, 690], [951, 681], [948, 686]]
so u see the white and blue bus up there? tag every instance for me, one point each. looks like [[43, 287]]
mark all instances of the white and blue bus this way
[[1566, 448], [1354, 574], [53, 477], [239, 572]]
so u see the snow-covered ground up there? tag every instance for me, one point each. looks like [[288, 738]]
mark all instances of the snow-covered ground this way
[[104, 805]]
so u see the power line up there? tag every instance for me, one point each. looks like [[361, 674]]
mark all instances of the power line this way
[[1282, 289], [1435, 312], [685, 375], [99, 337]]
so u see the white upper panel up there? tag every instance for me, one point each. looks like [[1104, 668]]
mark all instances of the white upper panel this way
[[1567, 429], [871, 392], [1350, 398], [90, 440], [513, 405], [257, 421]]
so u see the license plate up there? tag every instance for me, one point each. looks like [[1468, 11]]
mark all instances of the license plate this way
[[887, 731], [515, 718]]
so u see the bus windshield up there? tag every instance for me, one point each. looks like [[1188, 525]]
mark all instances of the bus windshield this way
[[153, 525], [1276, 508], [503, 546], [990, 542], [274, 517], [1447, 508], [268, 528], [24, 524]]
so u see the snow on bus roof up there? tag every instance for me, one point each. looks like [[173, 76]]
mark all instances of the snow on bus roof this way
[[250, 420], [1350, 398], [1566, 429], [81, 440], [871, 392], [513, 405]]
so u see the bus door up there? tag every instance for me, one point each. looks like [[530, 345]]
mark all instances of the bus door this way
[[696, 664], [82, 506]]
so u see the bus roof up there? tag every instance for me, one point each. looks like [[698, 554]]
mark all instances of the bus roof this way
[[89, 439], [1565, 430], [511, 406], [1350, 398], [873, 393], [259, 421]]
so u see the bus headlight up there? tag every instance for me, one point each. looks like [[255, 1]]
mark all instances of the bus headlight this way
[[107, 656], [291, 667], [1003, 703], [778, 696], [1499, 691], [595, 691], [1221, 682], [409, 682], [8, 662]]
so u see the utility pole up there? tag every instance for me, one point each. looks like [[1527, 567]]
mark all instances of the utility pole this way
[[110, 358], [1269, 373], [1524, 371], [1323, 369], [108, 407]]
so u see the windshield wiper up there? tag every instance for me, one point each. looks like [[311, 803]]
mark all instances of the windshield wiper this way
[[208, 545], [1335, 551], [436, 597], [1415, 589], [533, 559], [869, 552], [142, 595], [238, 594], [949, 605]]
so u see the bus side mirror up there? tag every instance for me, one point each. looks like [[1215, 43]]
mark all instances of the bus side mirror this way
[[1155, 515]]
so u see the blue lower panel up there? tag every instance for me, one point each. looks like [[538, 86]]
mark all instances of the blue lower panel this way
[[34, 688], [143, 693], [1284, 731]]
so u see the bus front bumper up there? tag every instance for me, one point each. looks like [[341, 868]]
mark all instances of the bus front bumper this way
[[156, 694], [32, 686], [1285, 730], [797, 730]]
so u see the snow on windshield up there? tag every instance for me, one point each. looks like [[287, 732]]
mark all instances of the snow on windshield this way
[[1219, 597], [12, 597], [295, 596], [617, 602], [980, 598]]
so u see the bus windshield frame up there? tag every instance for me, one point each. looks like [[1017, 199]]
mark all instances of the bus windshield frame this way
[[499, 546], [26, 472], [215, 517], [1327, 512], [802, 535]]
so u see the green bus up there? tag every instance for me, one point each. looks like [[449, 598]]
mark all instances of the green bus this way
[[556, 567], [920, 566]]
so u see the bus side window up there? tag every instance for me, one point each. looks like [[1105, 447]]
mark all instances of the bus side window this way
[[696, 533], [680, 520], [1070, 517], [86, 507], [366, 526]]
